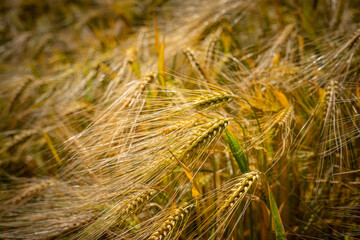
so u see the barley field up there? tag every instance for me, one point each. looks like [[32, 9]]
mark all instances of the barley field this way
[[169, 119]]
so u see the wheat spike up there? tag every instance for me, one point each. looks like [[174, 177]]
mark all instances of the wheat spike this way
[[138, 202], [195, 63], [73, 224], [149, 77], [26, 194], [117, 214], [140, 88], [18, 138], [349, 44], [210, 50], [32, 191], [202, 135], [180, 124], [239, 191], [330, 98], [213, 100], [172, 222], [284, 116], [18, 93]]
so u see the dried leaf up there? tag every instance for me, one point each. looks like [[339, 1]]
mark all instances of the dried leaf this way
[[281, 98], [52, 148]]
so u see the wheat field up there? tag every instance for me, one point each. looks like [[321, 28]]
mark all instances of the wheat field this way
[[155, 119]]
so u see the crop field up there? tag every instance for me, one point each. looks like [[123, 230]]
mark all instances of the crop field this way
[[180, 119]]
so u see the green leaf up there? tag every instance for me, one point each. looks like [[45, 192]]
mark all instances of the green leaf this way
[[237, 152], [278, 226]]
